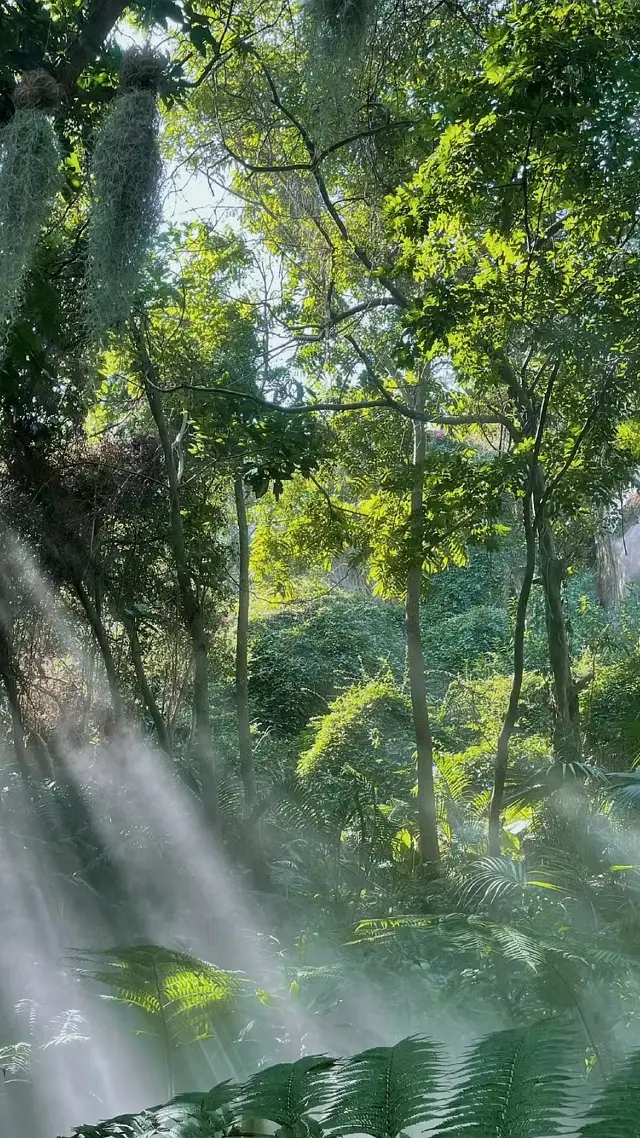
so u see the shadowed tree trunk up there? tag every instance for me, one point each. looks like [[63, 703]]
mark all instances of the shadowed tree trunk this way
[[566, 731], [102, 640], [610, 582], [189, 599], [511, 717], [247, 770], [143, 683], [533, 414], [10, 682], [427, 818]]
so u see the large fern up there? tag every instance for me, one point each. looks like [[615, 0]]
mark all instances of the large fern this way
[[514, 1085], [385, 1090], [287, 1092], [614, 1114], [181, 992], [15, 1060]]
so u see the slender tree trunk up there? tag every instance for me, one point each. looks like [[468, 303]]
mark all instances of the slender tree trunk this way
[[511, 716], [566, 735], [102, 640], [143, 683], [247, 769], [427, 817], [8, 674], [610, 583], [190, 602]]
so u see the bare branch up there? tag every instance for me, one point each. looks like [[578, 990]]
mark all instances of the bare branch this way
[[337, 408]]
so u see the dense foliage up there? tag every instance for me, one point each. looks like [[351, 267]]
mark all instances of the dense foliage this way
[[319, 566]]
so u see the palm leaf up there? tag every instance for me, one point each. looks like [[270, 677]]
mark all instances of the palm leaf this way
[[552, 778], [614, 1114], [286, 1092], [623, 791], [494, 878], [385, 1090], [515, 1085]]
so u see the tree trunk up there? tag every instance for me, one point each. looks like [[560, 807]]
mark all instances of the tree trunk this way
[[102, 640], [566, 733], [145, 690], [190, 602], [610, 583], [427, 818], [511, 716], [8, 674], [247, 769]]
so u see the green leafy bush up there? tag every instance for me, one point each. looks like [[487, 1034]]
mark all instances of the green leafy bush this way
[[463, 641], [368, 727], [611, 715], [473, 710], [303, 657], [460, 588]]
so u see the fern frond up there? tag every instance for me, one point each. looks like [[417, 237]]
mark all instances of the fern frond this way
[[15, 1060], [67, 1028], [614, 1114], [515, 1085], [287, 1092], [519, 943], [197, 1115], [160, 981], [385, 1090]]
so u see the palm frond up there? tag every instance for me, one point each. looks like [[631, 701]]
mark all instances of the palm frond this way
[[551, 779], [623, 791], [386, 1089], [491, 879], [514, 1085], [287, 1092], [291, 805]]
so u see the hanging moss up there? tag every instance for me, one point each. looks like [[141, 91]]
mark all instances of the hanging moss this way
[[142, 69], [38, 90], [340, 20], [126, 207], [29, 179]]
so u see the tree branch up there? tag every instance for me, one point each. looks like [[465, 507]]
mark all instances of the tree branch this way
[[338, 408], [100, 19]]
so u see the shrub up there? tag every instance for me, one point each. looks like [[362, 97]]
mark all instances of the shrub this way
[[465, 640], [302, 658], [611, 715]]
